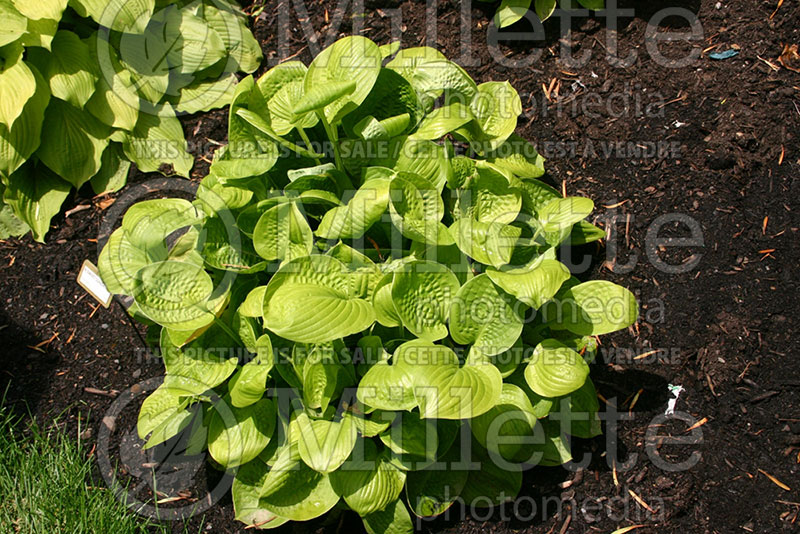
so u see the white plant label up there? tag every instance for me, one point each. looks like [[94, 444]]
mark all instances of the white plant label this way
[[89, 279]]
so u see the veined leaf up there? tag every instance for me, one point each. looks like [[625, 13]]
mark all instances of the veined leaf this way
[[70, 69], [368, 482], [555, 369], [246, 493], [237, 435], [323, 445], [19, 142], [282, 233], [17, 87], [157, 139], [422, 292], [35, 195], [533, 286], [592, 309], [174, 294]]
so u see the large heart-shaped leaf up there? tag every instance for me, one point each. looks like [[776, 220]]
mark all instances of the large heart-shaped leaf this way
[[174, 294], [592, 308], [422, 292], [533, 286], [368, 481], [555, 369], [246, 493], [323, 445], [282, 233], [238, 435]]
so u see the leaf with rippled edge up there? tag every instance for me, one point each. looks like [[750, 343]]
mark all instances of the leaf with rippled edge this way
[[323, 445], [496, 107], [389, 385], [174, 294], [489, 198], [163, 414], [362, 211], [592, 308], [295, 491], [249, 384], [561, 213], [368, 482], [194, 369], [238, 435], [282, 233], [246, 494], [416, 208], [422, 292], [445, 389], [484, 316], [487, 243], [533, 286], [555, 369]]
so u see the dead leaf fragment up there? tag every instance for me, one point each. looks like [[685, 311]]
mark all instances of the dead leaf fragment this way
[[790, 58]]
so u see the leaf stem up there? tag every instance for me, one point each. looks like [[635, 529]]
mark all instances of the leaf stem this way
[[333, 136], [307, 141]]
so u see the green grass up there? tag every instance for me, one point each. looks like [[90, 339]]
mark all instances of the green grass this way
[[46, 486]]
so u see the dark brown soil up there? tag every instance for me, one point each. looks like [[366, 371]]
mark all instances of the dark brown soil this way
[[726, 156]]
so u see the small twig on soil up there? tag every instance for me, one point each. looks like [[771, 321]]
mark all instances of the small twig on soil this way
[[94, 391], [763, 396], [641, 501], [775, 480], [76, 209]]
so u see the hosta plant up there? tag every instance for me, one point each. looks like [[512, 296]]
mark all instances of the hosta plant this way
[[88, 86], [363, 306], [511, 11]]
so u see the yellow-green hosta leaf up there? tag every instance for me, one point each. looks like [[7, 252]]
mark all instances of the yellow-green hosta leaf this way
[[426, 159], [174, 294], [394, 519], [294, 490], [10, 225], [430, 492], [70, 69], [113, 173], [157, 139], [555, 369], [352, 59], [42, 9], [35, 195], [389, 385], [430, 74], [196, 370], [149, 222], [323, 445], [230, 23], [413, 442], [562, 213], [496, 106], [249, 384], [207, 95], [545, 8], [484, 316], [119, 262], [390, 49], [492, 484], [445, 389], [73, 143], [246, 494], [129, 16], [253, 305], [17, 87], [489, 198], [585, 232], [442, 121], [319, 96], [416, 208], [511, 11], [518, 156], [114, 101], [487, 243], [238, 435], [367, 481], [507, 427], [14, 23], [533, 286], [19, 142], [307, 313], [163, 415], [578, 412], [362, 211], [422, 292], [385, 311], [282, 233], [592, 308]]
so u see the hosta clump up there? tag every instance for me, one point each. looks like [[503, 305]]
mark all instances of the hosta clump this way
[[511, 11], [364, 303], [88, 86]]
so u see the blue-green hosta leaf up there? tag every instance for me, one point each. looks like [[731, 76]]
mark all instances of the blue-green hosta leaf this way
[[311, 300], [352, 59], [416, 208], [238, 435], [489, 198], [445, 389], [487, 243], [578, 412], [35, 195], [246, 493], [507, 428], [442, 121], [422, 292], [430, 492], [14, 23], [249, 384], [519, 157], [70, 69], [368, 482], [533, 286], [511, 11], [555, 369], [294, 490], [484, 316], [362, 211], [323, 445], [17, 87], [394, 519], [19, 142], [413, 442], [592, 309], [120, 15], [282, 233], [496, 106], [562, 213], [156, 139], [73, 142], [174, 294]]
